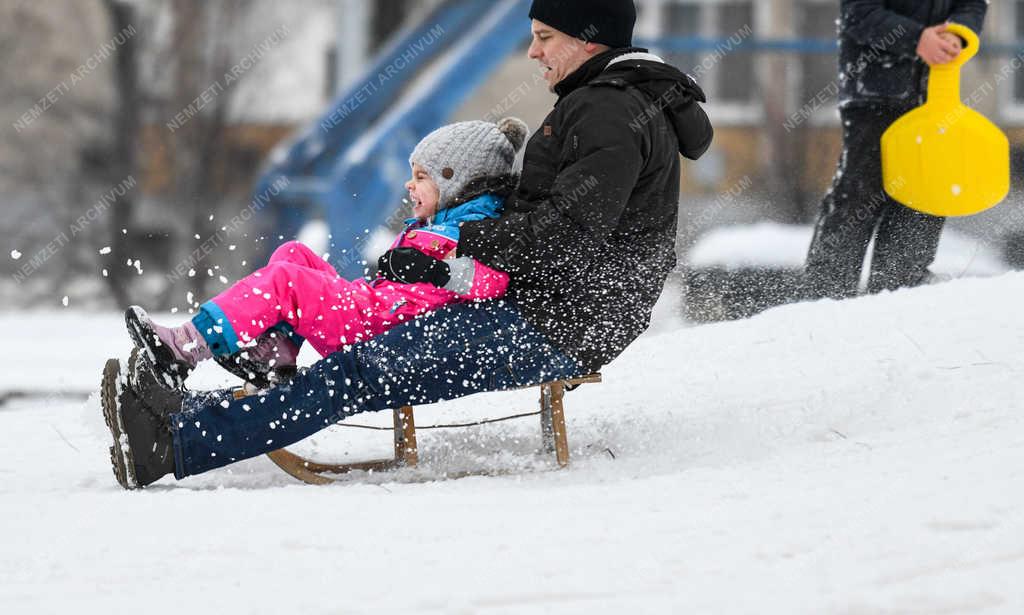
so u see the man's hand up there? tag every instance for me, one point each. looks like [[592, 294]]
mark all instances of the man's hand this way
[[409, 266], [938, 45]]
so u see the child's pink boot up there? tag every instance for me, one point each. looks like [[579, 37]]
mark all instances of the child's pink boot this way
[[173, 351], [269, 361]]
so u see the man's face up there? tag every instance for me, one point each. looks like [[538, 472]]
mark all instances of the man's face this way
[[558, 53]]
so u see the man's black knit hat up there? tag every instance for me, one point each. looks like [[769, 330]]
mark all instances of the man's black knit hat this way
[[609, 22]]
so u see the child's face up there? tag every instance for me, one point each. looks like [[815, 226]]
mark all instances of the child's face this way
[[423, 193]]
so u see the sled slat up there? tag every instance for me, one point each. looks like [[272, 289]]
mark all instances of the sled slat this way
[[405, 437], [558, 424], [547, 426]]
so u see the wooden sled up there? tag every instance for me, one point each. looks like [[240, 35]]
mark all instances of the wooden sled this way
[[552, 429]]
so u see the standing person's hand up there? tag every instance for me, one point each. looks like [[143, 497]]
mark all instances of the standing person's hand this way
[[938, 45], [954, 40]]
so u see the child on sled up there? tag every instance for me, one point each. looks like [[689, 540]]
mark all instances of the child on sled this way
[[460, 172]]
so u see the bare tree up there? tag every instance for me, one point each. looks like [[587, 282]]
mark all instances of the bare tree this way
[[124, 153], [202, 48], [53, 121], [116, 124], [159, 76]]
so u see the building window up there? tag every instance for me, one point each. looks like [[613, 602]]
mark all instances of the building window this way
[[1018, 34], [728, 77], [819, 71], [740, 86], [683, 20], [1008, 20]]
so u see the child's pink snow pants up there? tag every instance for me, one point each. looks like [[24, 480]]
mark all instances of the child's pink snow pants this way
[[299, 288]]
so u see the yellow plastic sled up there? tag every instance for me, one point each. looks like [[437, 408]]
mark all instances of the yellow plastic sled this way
[[944, 158]]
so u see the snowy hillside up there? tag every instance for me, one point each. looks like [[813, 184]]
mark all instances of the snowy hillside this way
[[856, 457], [784, 246]]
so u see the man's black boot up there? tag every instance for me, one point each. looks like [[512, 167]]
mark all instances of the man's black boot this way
[[161, 395], [143, 450]]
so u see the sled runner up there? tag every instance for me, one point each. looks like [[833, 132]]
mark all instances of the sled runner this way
[[552, 428]]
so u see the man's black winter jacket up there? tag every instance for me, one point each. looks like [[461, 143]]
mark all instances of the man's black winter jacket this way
[[588, 239], [878, 39]]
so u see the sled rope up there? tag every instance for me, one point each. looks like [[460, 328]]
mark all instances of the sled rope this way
[[445, 425], [552, 431]]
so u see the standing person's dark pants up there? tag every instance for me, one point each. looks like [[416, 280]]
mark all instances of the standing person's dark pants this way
[[857, 208]]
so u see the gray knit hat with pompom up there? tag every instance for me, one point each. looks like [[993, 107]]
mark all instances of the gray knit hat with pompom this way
[[456, 154]]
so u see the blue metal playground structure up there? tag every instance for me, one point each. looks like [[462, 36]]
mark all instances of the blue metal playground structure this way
[[350, 165]]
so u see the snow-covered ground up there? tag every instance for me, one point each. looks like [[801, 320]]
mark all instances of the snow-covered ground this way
[[784, 246], [856, 457]]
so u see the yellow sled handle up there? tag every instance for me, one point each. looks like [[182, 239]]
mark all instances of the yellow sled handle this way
[[968, 52], [944, 79]]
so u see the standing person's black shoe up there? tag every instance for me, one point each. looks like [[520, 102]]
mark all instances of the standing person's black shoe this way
[[143, 450]]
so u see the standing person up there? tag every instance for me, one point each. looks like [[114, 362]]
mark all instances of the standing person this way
[[587, 240], [885, 48]]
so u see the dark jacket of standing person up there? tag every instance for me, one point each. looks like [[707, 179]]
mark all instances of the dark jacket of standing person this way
[[878, 60], [589, 237]]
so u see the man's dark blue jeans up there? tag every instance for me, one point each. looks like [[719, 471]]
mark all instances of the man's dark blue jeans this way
[[456, 351]]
